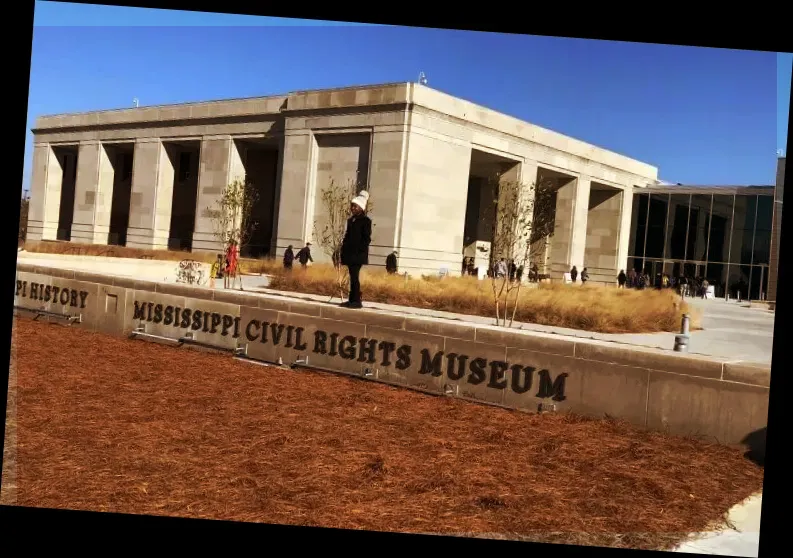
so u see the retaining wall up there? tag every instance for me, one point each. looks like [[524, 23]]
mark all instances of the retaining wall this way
[[684, 394]]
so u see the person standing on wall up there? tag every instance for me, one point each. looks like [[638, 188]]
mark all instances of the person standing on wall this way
[[355, 246], [391, 263]]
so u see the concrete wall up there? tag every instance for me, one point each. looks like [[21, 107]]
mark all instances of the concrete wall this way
[[682, 394]]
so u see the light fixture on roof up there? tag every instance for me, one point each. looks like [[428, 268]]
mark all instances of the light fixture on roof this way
[[422, 78], [136, 102], [780, 152]]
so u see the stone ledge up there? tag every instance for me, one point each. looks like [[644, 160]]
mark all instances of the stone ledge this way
[[651, 359], [591, 350], [518, 370], [747, 373]]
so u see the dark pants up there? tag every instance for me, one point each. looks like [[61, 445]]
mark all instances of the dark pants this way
[[355, 283]]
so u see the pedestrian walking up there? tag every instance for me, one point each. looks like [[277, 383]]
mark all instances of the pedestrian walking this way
[[391, 263], [289, 257], [304, 255]]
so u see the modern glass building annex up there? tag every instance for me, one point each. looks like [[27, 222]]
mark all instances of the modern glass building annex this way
[[720, 234]]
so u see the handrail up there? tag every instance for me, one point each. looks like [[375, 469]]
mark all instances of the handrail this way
[[39, 313]]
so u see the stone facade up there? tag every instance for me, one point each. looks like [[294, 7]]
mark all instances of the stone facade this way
[[413, 147]]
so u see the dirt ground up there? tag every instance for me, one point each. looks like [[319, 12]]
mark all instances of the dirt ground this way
[[118, 425]]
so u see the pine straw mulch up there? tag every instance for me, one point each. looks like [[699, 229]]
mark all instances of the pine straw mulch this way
[[111, 424]]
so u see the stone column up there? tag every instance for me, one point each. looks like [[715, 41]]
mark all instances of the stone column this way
[[213, 176], [569, 237], [626, 220], [528, 177], [103, 201], [385, 179], [85, 191], [604, 222], [150, 199], [292, 206], [45, 190]]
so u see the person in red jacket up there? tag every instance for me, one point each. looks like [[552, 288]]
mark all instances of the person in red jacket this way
[[232, 255]]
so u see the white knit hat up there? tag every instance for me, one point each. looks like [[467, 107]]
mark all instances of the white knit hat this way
[[361, 199]]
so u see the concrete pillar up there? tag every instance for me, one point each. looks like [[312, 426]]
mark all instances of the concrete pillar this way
[[527, 174], [150, 199], [85, 192], [626, 220], [604, 222], [45, 190], [103, 200], [293, 195], [215, 173], [385, 180], [236, 166], [569, 237]]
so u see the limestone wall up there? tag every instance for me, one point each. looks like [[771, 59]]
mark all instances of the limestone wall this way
[[683, 394]]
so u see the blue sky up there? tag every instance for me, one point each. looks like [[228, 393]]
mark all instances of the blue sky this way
[[703, 116]]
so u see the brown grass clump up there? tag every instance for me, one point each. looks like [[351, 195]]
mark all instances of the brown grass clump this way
[[591, 308], [130, 427], [247, 265]]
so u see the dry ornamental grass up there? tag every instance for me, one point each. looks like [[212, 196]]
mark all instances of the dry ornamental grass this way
[[117, 425], [590, 308]]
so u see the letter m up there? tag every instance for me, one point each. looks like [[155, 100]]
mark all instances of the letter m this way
[[431, 366], [555, 389], [140, 311]]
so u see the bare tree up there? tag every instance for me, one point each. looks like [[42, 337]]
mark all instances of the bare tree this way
[[232, 216], [329, 229], [524, 222], [23, 218]]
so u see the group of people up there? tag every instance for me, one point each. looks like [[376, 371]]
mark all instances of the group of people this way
[[685, 286], [574, 275], [500, 269], [303, 256]]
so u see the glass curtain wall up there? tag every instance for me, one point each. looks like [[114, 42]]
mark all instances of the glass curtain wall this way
[[723, 238]]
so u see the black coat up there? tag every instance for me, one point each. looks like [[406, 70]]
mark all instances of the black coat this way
[[304, 255], [358, 236], [391, 262]]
